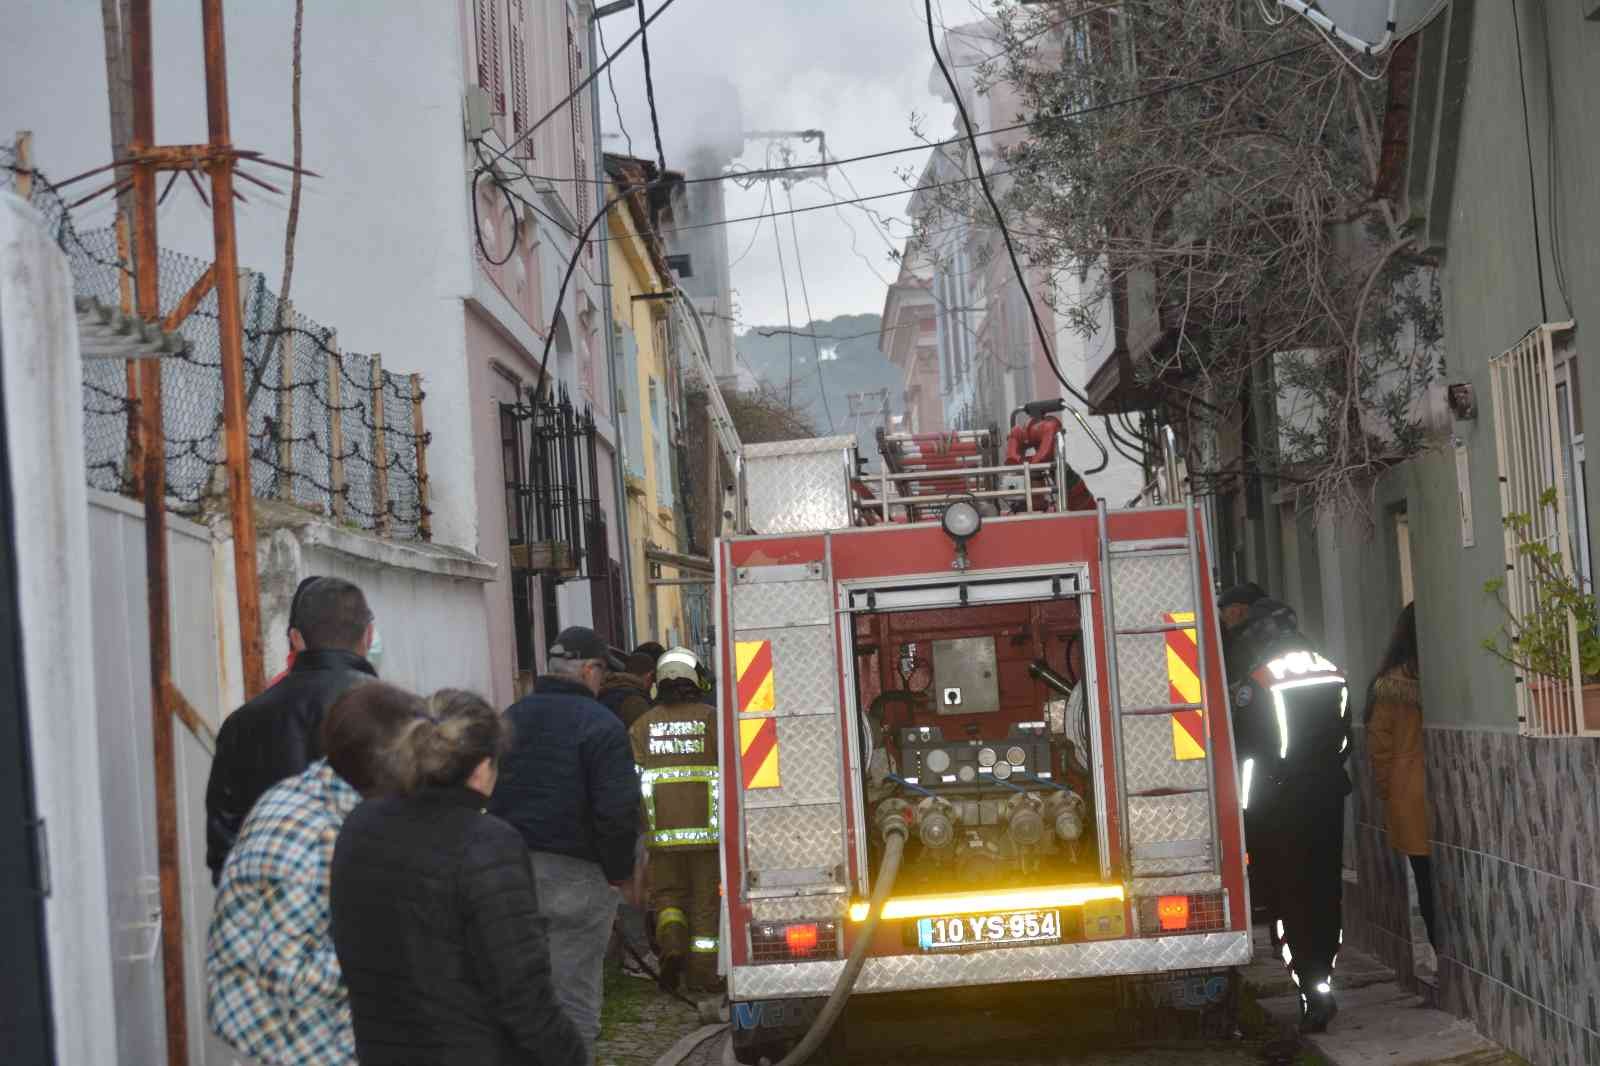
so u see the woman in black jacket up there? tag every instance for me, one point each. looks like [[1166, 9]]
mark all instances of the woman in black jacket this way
[[434, 914]]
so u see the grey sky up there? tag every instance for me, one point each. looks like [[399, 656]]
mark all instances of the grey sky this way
[[856, 69]]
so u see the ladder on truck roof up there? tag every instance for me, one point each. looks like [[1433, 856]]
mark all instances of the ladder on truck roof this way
[[1157, 657], [921, 473]]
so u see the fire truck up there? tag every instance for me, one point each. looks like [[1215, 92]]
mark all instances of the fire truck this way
[[974, 732]]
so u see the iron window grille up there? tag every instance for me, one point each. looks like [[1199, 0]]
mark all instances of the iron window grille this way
[[1538, 438]]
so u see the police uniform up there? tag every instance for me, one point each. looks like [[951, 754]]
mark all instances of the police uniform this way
[[1292, 725], [675, 745]]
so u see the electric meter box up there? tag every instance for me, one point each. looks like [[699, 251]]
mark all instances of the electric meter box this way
[[966, 678]]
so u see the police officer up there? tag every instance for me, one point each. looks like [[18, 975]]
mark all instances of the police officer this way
[[1292, 725], [675, 745]]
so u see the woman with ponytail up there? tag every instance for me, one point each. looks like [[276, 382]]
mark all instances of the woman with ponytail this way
[[434, 913]]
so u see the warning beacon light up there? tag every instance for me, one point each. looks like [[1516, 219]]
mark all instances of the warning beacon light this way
[[961, 522]]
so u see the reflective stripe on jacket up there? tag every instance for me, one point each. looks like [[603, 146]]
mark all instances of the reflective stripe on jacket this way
[[675, 747]]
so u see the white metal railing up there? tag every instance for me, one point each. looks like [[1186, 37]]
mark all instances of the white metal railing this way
[[1534, 507], [1038, 487]]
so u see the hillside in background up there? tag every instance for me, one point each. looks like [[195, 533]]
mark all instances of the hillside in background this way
[[850, 363]]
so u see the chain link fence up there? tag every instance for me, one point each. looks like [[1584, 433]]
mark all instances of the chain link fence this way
[[329, 430]]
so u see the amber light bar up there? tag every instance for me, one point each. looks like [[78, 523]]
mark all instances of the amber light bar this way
[[1013, 899]]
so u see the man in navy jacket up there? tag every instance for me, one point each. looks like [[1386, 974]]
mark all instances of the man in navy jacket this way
[[569, 786]]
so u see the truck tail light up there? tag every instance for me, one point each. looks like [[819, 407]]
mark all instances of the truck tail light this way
[[1197, 912], [794, 941], [802, 939], [1173, 912]]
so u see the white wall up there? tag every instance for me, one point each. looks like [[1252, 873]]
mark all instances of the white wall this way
[[119, 646], [382, 253], [44, 426], [1079, 357]]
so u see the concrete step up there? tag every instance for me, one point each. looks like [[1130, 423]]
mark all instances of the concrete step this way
[[1383, 1023]]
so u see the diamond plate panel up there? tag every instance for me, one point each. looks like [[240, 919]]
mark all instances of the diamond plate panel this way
[[1147, 868], [1172, 886], [1147, 754], [1145, 587], [808, 765], [798, 487], [797, 907], [792, 838], [803, 675], [1006, 966], [766, 604], [1154, 819], [1142, 671]]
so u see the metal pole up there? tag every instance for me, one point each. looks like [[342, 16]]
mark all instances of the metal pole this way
[[234, 415], [154, 484]]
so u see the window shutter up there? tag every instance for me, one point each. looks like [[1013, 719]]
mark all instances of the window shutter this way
[[520, 117], [580, 129], [489, 74]]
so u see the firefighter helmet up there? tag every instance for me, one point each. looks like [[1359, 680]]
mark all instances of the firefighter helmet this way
[[678, 664]]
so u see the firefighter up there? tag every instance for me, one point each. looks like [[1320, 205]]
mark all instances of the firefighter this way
[[675, 745], [1291, 717]]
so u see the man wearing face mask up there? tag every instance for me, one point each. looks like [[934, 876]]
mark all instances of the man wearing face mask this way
[[275, 735]]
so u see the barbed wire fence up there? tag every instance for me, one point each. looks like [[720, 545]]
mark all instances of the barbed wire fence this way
[[329, 430]]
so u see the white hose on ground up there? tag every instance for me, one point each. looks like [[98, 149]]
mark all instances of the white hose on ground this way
[[894, 843]]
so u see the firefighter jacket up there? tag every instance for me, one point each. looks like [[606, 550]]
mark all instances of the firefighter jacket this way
[[1292, 717], [675, 745]]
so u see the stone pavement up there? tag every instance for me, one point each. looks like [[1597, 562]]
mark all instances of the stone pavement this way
[[1379, 1022], [638, 1023]]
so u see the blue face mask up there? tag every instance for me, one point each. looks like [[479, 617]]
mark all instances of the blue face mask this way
[[375, 652]]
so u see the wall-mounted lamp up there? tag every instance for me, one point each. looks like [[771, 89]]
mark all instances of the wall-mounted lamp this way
[[961, 521]]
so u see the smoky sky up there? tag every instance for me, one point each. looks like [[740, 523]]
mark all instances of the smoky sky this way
[[856, 69]]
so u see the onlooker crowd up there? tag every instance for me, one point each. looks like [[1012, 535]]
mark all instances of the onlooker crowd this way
[[401, 880]]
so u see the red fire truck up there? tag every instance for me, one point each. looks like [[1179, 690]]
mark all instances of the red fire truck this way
[[970, 735]]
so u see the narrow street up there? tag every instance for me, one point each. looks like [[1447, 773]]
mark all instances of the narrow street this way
[[960, 532]]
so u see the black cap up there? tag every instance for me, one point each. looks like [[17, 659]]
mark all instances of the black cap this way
[[1244, 594], [581, 642]]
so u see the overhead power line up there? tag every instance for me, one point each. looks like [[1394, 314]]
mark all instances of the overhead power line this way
[[1108, 105]]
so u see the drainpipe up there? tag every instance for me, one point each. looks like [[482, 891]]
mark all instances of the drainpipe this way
[[620, 487]]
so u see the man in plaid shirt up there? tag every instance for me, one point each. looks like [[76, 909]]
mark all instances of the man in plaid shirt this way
[[275, 991]]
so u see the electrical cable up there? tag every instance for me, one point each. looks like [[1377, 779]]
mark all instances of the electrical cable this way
[[576, 89], [1552, 165], [650, 88], [788, 318], [1011, 250], [477, 225], [755, 233], [816, 349], [1533, 188]]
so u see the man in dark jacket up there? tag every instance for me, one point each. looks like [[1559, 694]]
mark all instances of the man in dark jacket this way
[[1292, 732], [626, 692], [275, 735], [568, 786]]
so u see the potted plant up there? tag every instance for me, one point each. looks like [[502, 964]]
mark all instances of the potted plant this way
[[1538, 642]]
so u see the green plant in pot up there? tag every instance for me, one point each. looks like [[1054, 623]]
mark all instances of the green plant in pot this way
[[1538, 643]]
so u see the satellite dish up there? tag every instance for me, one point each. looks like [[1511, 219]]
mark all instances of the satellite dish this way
[[1369, 26]]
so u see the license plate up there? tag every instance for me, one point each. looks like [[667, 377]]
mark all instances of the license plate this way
[[988, 930]]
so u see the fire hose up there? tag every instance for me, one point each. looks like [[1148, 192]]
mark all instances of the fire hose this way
[[894, 832]]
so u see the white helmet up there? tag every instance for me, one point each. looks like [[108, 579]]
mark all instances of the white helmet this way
[[679, 664]]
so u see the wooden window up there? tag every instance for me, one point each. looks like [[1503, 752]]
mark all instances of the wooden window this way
[[520, 116]]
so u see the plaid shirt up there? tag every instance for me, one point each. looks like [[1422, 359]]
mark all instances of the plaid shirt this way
[[274, 988]]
